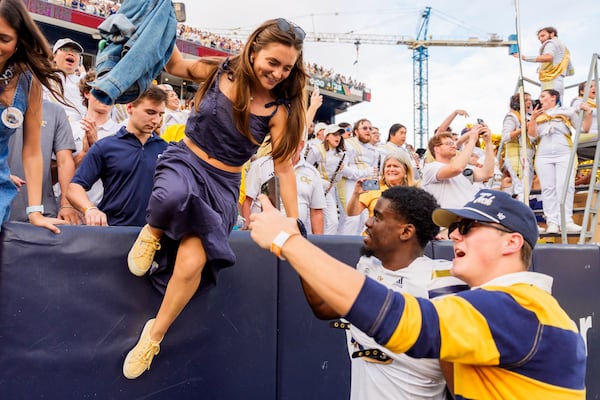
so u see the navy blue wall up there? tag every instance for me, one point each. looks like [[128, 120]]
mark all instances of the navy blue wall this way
[[70, 310]]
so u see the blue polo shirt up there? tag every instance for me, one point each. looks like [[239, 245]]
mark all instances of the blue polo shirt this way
[[126, 168]]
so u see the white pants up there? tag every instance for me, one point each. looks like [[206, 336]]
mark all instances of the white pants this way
[[517, 182], [552, 171], [330, 213], [351, 225]]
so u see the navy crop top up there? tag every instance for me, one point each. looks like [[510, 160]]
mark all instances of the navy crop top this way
[[212, 127]]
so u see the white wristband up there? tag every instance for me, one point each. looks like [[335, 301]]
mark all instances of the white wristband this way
[[530, 58], [32, 209], [279, 241]]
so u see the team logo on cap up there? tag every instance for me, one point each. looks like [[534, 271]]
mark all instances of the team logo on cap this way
[[487, 199]]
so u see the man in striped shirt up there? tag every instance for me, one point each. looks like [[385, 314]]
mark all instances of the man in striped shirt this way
[[507, 337]]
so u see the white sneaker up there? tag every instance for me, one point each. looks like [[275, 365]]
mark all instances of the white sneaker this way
[[572, 227], [552, 228]]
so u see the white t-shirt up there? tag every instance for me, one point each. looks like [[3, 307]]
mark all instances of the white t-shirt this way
[[310, 191], [260, 171], [308, 186], [109, 128], [72, 96], [594, 128], [405, 378], [450, 193]]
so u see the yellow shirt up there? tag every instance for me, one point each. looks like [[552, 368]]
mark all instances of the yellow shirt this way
[[174, 133], [369, 199]]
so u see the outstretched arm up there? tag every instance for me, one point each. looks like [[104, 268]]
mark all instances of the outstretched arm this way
[[446, 123], [335, 282], [32, 158], [195, 70], [316, 100]]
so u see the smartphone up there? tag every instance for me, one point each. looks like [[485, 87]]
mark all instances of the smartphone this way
[[271, 189], [536, 104], [480, 121], [370, 184]]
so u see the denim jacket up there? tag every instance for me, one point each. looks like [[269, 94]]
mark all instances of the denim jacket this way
[[140, 40]]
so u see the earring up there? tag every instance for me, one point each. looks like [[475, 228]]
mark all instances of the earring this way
[[251, 60]]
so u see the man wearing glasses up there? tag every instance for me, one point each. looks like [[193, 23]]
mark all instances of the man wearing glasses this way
[[447, 178], [507, 337], [363, 159]]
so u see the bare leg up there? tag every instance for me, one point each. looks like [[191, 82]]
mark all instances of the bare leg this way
[[187, 272]]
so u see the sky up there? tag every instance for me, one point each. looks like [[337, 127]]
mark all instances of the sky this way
[[478, 80]]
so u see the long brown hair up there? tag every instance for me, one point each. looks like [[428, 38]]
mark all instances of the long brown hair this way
[[291, 89], [33, 50]]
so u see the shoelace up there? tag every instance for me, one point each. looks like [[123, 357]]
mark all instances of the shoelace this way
[[151, 244], [148, 352]]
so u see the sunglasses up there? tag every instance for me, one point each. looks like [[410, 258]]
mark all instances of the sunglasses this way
[[68, 49], [465, 225], [288, 26]]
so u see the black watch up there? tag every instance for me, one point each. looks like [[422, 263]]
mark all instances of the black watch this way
[[301, 227]]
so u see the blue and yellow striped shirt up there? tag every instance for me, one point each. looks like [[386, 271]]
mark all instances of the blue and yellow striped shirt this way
[[507, 341]]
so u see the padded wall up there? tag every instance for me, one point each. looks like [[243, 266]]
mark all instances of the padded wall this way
[[313, 357], [70, 311]]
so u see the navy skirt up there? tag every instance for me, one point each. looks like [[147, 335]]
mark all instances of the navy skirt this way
[[191, 197]]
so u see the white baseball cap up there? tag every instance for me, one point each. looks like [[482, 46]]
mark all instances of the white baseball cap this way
[[64, 42], [334, 128], [166, 87], [319, 126]]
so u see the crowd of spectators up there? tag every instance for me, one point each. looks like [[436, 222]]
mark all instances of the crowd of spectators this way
[[101, 8], [233, 46], [104, 8], [317, 70], [209, 39]]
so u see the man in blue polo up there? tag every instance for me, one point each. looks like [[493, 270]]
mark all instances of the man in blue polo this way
[[125, 163]]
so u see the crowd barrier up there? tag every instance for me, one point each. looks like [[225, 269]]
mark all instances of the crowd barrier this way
[[70, 311]]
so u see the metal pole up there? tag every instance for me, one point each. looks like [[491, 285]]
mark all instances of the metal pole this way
[[523, 112]]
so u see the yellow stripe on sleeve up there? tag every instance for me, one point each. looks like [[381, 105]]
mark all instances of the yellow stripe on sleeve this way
[[408, 329]]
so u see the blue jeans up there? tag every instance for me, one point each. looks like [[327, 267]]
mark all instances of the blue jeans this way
[[141, 38]]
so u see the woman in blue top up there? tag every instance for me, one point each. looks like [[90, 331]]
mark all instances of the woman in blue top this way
[[244, 99], [24, 67]]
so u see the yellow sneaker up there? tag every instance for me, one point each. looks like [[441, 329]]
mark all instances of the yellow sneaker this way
[[141, 255], [138, 360]]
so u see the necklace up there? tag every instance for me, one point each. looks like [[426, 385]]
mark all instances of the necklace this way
[[6, 77]]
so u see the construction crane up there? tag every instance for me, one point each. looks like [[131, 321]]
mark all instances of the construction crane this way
[[421, 81], [420, 46]]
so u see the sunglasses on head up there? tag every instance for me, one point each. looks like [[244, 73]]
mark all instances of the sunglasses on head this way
[[288, 26], [465, 225]]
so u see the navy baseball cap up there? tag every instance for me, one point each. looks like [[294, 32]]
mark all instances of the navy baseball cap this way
[[494, 206]]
